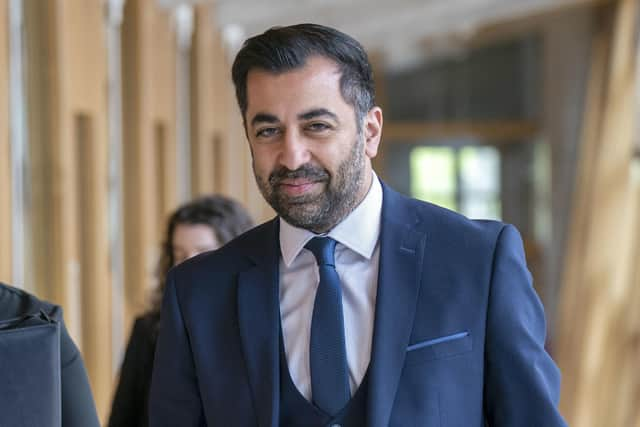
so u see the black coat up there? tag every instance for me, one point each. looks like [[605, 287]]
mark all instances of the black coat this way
[[78, 407], [132, 394]]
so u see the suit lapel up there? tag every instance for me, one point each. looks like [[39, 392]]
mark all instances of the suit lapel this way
[[258, 316], [401, 255]]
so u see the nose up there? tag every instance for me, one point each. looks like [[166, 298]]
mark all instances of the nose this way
[[295, 151]]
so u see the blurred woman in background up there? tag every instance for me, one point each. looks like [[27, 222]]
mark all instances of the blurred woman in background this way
[[203, 224]]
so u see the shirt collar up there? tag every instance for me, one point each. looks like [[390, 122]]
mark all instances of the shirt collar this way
[[359, 231]]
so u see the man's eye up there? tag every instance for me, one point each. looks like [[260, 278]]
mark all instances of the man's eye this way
[[266, 132], [318, 127]]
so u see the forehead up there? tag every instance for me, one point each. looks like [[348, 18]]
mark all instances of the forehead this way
[[192, 234], [314, 85]]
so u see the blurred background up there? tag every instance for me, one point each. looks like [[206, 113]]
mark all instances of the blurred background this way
[[113, 112]]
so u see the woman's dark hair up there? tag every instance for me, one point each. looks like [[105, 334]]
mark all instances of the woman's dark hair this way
[[282, 49], [226, 217]]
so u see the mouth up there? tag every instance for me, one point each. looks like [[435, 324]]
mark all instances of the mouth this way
[[296, 187]]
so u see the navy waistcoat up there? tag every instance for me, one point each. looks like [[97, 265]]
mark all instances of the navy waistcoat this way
[[296, 411]]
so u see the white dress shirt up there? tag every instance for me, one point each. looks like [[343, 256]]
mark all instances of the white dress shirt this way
[[357, 256]]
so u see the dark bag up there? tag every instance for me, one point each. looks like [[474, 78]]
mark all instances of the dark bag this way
[[30, 390]]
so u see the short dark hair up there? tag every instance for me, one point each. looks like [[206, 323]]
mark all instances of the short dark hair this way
[[226, 217], [282, 49]]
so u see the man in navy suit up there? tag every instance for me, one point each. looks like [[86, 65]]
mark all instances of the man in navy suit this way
[[356, 306]]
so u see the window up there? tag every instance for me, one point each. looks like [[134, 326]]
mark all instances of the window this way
[[465, 179]]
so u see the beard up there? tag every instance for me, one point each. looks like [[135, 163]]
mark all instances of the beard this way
[[318, 212]]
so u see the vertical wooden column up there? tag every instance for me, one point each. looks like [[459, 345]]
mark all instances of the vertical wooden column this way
[[149, 150], [5, 152], [566, 60], [163, 113], [208, 104], [81, 192], [599, 329], [40, 41], [68, 143]]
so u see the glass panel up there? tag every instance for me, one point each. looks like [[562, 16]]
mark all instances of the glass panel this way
[[542, 221], [480, 182], [433, 176]]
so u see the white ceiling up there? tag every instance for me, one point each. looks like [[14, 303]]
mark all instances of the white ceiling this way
[[400, 29]]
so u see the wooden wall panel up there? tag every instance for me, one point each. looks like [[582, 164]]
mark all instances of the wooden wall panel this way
[[207, 127], [40, 42], [162, 104], [68, 149], [149, 149], [5, 152], [597, 341], [84, 138]]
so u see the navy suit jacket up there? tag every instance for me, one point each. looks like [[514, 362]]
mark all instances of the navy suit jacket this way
[[458, 335]]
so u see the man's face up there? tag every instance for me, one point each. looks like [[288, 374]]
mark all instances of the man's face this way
[[310, 162]]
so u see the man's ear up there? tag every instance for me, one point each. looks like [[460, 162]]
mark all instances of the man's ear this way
[[372, 129]]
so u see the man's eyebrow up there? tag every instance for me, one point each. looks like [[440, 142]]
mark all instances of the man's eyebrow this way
[[264, 118], [318, 112]]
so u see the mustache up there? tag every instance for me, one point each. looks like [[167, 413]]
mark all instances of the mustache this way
[[314, 173]]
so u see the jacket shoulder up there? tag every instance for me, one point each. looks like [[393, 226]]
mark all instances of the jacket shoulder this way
[[16, 302], [437, 221]]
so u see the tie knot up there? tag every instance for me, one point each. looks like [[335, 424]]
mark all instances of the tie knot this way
[[323, 249]]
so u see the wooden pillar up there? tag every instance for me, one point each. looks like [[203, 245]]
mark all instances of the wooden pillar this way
[[597, 341], [68, 142], [566, 59], [209, 104], [149, 148], [5, 152], [40, 40], [162, 109]]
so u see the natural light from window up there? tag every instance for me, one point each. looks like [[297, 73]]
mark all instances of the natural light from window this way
[[465, 179]]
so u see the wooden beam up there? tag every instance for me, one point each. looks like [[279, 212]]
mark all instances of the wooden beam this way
[[598, 350], [572, 300], [495, 132]]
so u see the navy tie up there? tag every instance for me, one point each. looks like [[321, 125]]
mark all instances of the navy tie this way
[[327, 351]]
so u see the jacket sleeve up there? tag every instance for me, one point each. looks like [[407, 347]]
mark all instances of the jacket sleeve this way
[[522, 383], [174, 399], [78, 407]]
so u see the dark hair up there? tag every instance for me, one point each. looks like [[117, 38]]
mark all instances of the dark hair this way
[[282, 49], [226, 217]]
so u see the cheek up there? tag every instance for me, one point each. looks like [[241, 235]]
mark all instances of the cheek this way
[[263, 161], [261, 169], [332, 158]]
